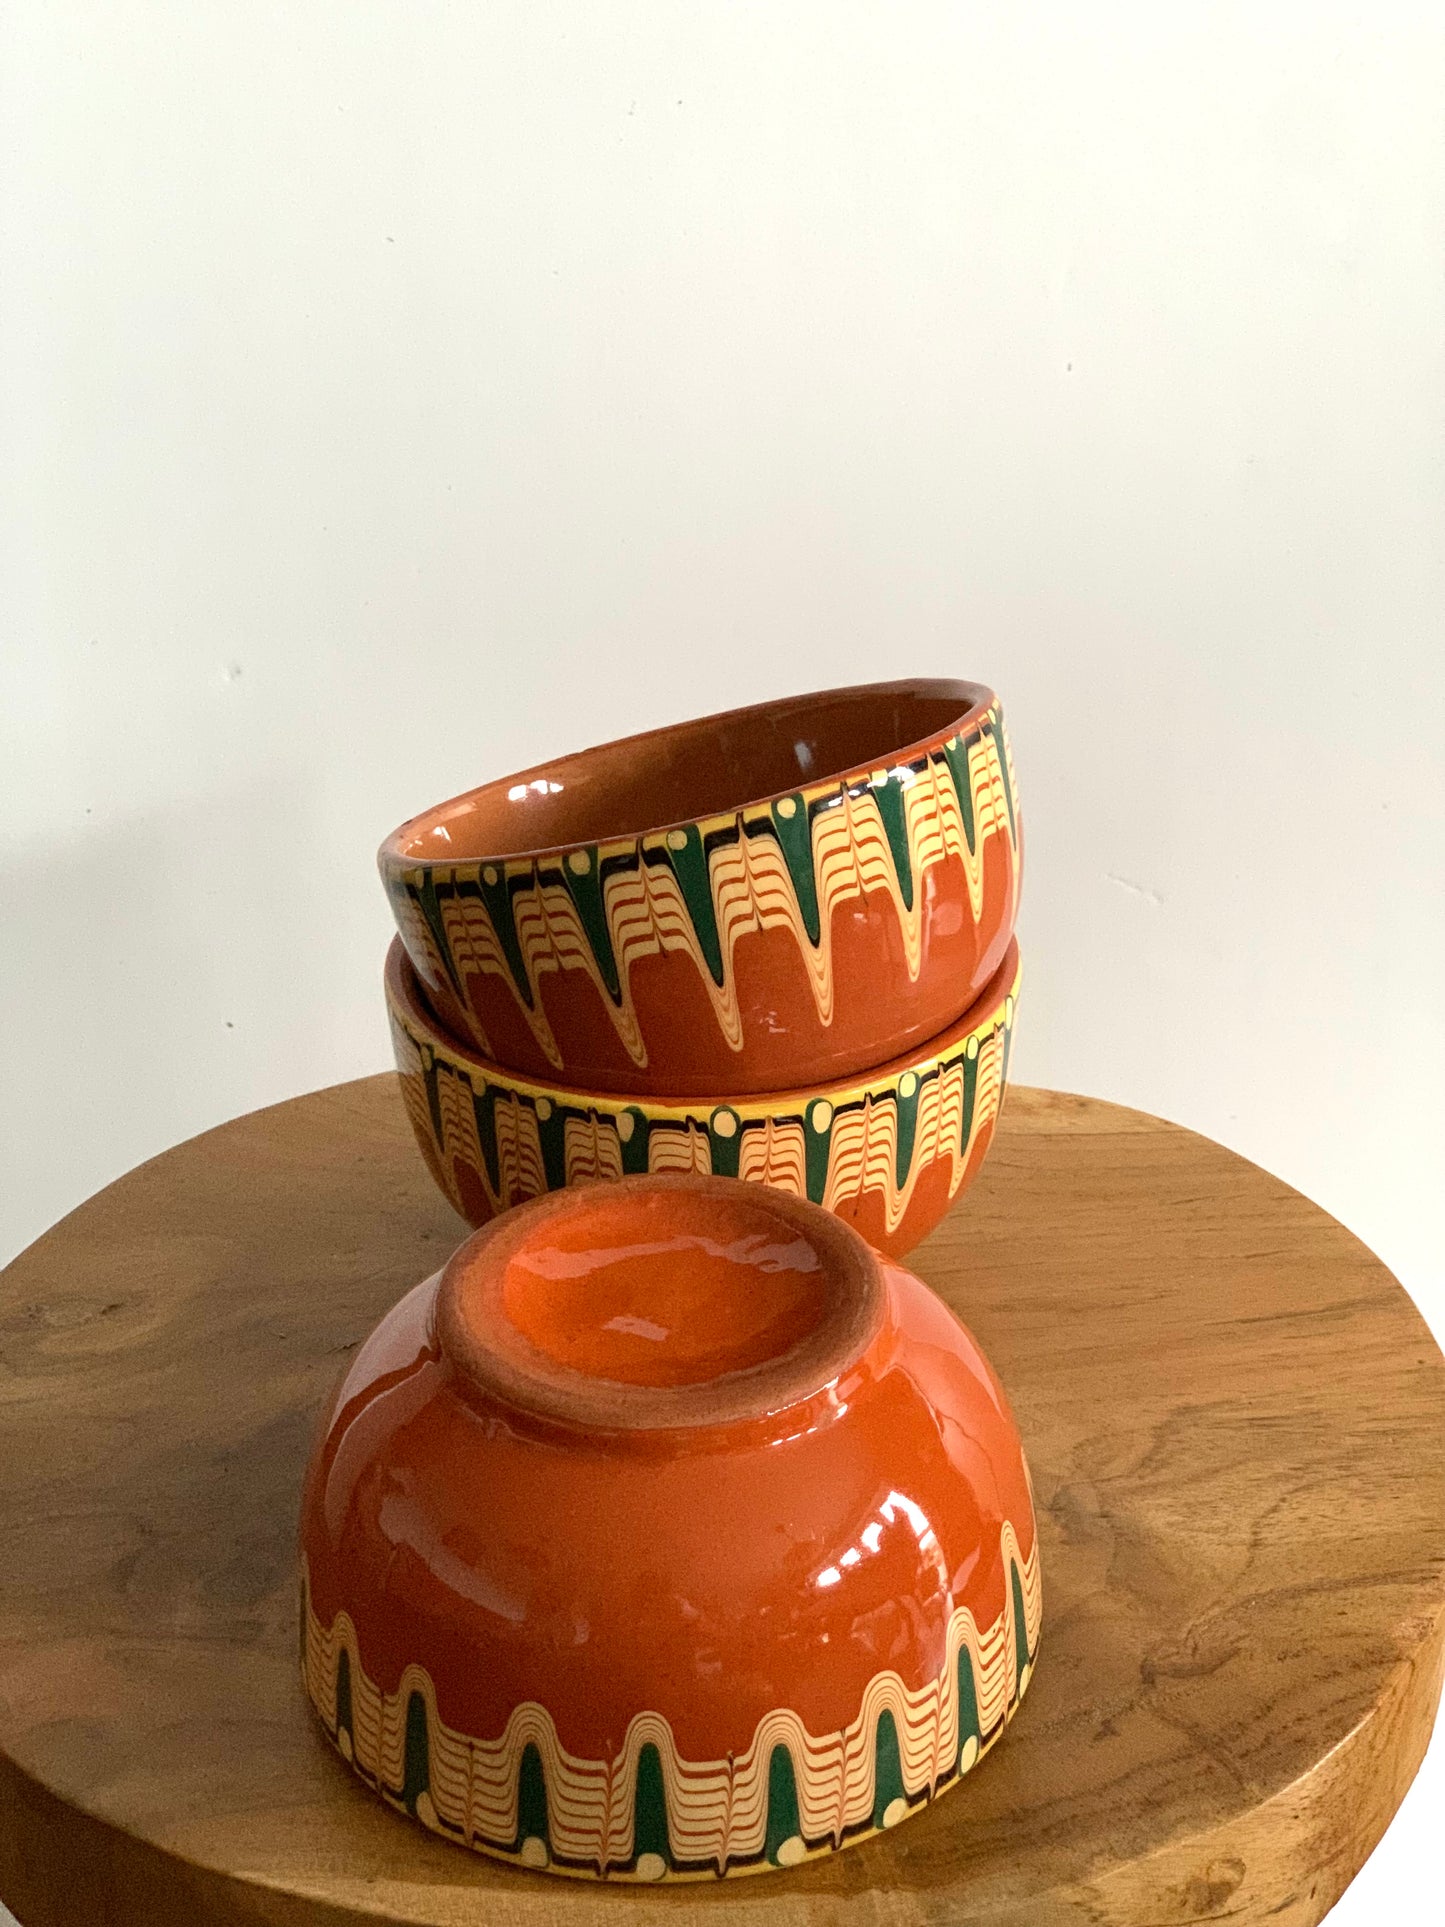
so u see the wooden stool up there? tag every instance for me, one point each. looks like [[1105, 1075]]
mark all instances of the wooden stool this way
[[1236, 1421]]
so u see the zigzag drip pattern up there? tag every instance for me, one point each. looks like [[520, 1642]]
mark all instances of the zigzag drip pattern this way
[[518, 1141], [787, 866], [649, 1813]]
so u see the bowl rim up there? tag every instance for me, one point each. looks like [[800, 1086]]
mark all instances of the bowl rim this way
[[489, 1353], [406, 1005], [977, 700]]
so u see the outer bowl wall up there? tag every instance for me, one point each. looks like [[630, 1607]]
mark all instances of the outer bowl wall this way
[[887, 1151], [676, 1655], [765, 944]]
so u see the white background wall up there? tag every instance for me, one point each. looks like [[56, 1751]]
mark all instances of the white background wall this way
[[395, 394]]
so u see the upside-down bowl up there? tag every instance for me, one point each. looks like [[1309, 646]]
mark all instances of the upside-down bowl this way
[[668, 1532]]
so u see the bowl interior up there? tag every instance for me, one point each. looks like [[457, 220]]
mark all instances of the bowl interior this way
[[694, 769]]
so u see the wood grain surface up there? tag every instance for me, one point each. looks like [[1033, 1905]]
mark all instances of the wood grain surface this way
[[1236, 1421]]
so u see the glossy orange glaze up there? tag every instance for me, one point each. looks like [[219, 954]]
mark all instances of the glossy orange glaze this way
[[710, 1572], [647, 1297], [879, 1010]]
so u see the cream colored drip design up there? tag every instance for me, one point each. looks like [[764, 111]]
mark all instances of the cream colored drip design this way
[[551, 936], [935, 819], [1008, 755], [591, 1149], [716, 1809], [939, 1124], [521, 1169], [752, 890], [774, 1152], [863, 1156], [416, 935], [474, 946], [864, 1149], [647, 915], [522, 1172], [989, 1094], [862, 1146], [682, 1148], [852, 858]]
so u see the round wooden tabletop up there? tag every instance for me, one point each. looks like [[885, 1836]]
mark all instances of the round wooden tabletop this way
[[1236, 1421]]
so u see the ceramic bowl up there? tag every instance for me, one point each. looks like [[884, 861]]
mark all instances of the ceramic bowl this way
[[887, 1150], [755, 901], [668, 1532]]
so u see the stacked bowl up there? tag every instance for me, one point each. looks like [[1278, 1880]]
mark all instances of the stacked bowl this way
[[673, 1531], [775, 944]]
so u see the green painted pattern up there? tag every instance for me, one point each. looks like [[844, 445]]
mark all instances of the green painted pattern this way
[[794, 830], [818, 1147], [496, 898], [631, 1126], [789, 820], [635, 1146], [484, 1110], [970, 1098], [889, 797], [968, 1722], [1021, 1629], [344, 1715], [887, 1768], [552, 1135], [417, 1756], [688, 857], [531, 1801], [783, 1821], [431, 1072], [955, 754], [906, 1107], [993, 725], [582, 876], [649, 1821], [725, 1142], [427, 899], [651, 1857]]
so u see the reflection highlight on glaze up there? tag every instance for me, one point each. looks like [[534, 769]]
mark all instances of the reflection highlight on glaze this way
[[677, 1308], [896, 1505]]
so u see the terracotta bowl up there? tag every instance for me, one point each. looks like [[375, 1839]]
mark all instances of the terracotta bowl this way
[[888, 1149], [765, 899], [668, 1532]]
